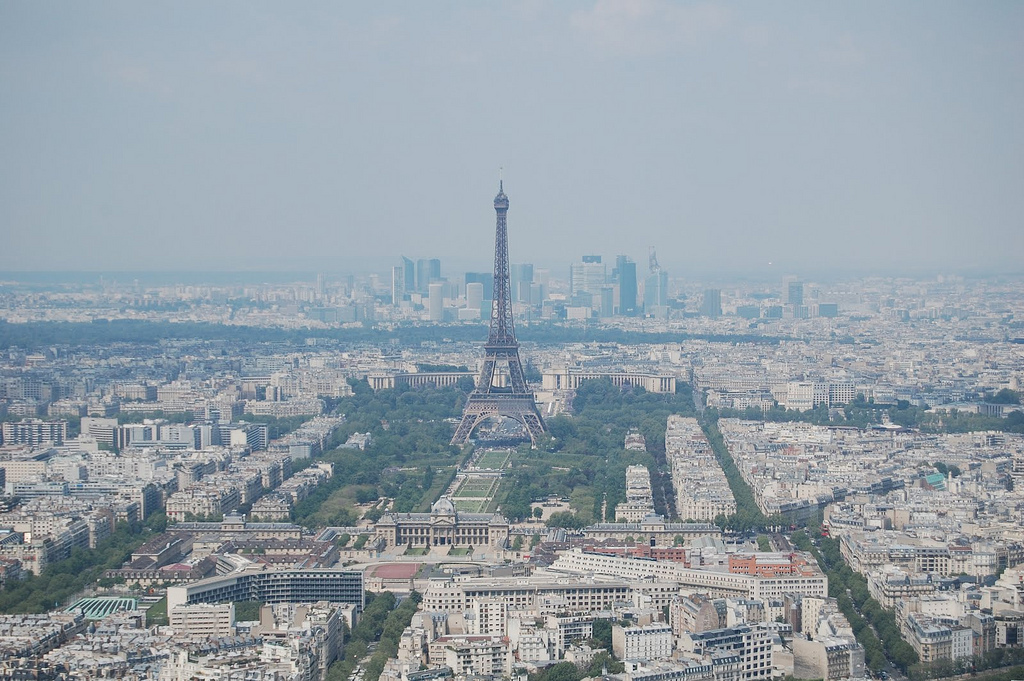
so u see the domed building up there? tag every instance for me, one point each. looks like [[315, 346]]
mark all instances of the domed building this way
[[443, 526]]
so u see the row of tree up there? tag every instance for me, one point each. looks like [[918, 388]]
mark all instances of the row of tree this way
[[409, 443], [994, 659], [583, 457], [863, 414], [61, 580], [748, 516], [33, 335], [380, 621], [874, 626]]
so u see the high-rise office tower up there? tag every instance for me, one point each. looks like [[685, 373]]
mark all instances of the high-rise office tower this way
[[711, 306], [522, 278], [475, 296], [397, 285], [435, 302], [607, 308], [655, 291], [408, 276], [427, 272], [485, 279], [588, 276], [539, 290], [655, 287], [795, 292], [792, 290], [625, 275]]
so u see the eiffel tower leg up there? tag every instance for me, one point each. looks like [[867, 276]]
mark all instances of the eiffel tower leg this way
[[465, 428], [476, 410], [533, 425], [527, 415]]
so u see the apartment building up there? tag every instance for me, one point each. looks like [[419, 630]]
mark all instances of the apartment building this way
[[203, 620], [650, 642]]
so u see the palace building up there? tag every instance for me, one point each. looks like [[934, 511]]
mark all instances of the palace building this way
[[443, 526]]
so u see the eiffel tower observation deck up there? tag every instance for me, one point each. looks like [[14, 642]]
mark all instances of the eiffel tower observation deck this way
[[501, 389]]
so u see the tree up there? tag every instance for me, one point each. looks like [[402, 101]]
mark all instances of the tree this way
[[603, 634], [563, 671], [603, 661], [365, 495], [538, 513], [247, 611], [566, 519], [1006, 396]]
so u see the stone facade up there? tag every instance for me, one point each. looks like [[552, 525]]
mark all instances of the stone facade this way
[[443, 526]]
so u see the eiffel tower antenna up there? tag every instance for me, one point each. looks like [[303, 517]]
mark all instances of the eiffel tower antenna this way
[[493, 395]]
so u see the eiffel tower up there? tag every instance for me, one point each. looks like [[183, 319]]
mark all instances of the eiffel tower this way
[[501, 389]]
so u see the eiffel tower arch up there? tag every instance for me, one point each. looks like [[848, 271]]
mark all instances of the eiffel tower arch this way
[[501, 389]]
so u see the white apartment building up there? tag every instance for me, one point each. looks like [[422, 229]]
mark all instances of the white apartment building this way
[[702, 490], [473, 655], [207, 501], [639, 498], [752, 644], [828, 658], [486, 616], [542, 593], [203, 620], [715, 583], [651, 642]]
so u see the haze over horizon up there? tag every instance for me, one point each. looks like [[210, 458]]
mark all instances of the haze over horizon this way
[[191, 136]]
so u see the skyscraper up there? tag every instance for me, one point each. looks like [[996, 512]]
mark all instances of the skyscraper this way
[[397, 285], [408, 276], [522, 279], [427, 272], [435, 302], [475, 296], [607, 306], [656, 292], [485, 279], [795, 292], [588, 276], [655, 288], [625, 274], [711, 306]]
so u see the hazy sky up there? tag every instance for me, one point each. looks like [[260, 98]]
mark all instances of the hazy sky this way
[[195, 135]]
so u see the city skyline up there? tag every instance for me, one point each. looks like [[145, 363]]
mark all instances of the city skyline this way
[[739, 398], [866, 139]]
